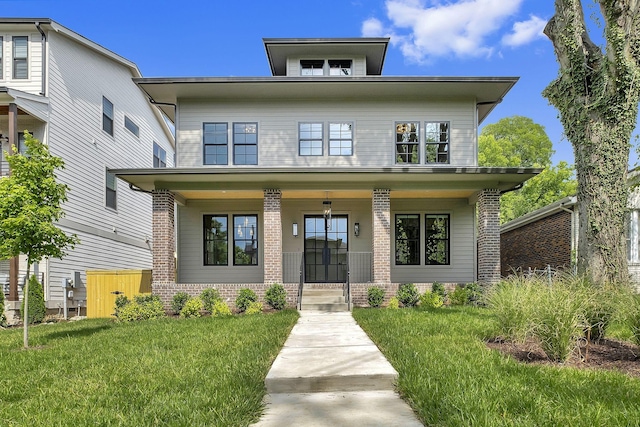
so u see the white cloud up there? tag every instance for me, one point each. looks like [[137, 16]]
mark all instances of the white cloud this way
[[443, 27], [525, 32]]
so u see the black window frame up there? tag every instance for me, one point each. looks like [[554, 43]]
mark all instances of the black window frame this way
[[211, 139], [131, 126], [159, 156], [341, 139], [18, 60], [428, 238], [413, 142], [307, 136], [107, 118], [111, 193], [240, 143], [247, 232], [206, 226], [441, 147], [411, 243]]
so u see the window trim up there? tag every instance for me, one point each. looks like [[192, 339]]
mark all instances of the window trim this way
[[16, 60], [113, 190], [437, 143], [131, 126], [300, 139], [235, 144], [447, 239], [204, 240], [254, 236], [106, 118], [213, 144], [341, 139]]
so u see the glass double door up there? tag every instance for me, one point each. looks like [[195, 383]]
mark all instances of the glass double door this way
[[325, 249]]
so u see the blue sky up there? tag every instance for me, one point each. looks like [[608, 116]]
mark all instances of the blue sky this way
[[428, 38]]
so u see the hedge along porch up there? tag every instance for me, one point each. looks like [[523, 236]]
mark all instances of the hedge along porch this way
[[236, 230]]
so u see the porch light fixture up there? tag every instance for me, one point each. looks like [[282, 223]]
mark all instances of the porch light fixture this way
[[326, 209], [356, 229], [295, 229], [3, 138]]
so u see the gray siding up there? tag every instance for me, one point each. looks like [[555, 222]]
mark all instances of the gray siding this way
[[34, 83], [374, 129]]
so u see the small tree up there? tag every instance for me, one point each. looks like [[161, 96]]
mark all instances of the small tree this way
[[37, 309], [30, 204]]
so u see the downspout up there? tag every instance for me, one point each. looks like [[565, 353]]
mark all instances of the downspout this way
[[44, 59]]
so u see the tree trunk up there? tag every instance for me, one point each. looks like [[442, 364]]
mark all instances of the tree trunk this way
[[597, 96], [25, 297]]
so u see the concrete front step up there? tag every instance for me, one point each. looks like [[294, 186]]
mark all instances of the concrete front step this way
[[323, 299], [330, 307]]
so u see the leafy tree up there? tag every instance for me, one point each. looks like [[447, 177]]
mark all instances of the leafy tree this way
[[519, 141], [597, 94], [37, 309], [30, 204]]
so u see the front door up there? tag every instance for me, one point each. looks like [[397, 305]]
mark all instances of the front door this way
[[325, 249]]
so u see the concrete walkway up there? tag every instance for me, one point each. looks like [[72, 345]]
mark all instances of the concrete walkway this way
[[329, 373]]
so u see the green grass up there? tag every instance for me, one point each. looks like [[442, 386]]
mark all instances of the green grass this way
[[451, 378], [169, 372]]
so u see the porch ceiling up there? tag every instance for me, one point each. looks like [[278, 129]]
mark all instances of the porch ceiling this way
[[296, 183]]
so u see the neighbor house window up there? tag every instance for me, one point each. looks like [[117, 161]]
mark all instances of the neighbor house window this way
[[339, 67], [133, 128], [216, 246], [437, 239], [107, 116], [340, 139], [245, 143], [632, 221], [407, 239], [22, 146], [245, 240], [21, 57], [111, 190], [310, 139], [1, 62], [407, 143], [312, 67], [436, 142], [159, 156], [215, 137]]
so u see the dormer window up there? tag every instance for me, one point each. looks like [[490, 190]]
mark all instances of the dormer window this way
[[313, 67], [339, 67]]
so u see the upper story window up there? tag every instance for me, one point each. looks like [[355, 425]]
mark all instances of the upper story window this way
[[159, 156], [340, 139], [407, 142], [107, 116], [216, 246], [133, 128], [436, 142], [245, 143], [339, 67], [311, 139], [110, 198], [20, 57], [313, 67], [215, 144]]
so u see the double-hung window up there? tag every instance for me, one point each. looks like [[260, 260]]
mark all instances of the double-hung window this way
[[407, 239], [107, 116], [111, 199], [340, 139], [407, 143], [245, 240], [159, 156], [311, 137], [633, 236], [436, 142], [245, 143], [131, 126], [437, 239], [20, 57], [215, 144], [1, 58], [216, 240]]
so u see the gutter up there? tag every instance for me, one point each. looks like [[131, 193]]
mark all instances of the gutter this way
[[44, 59]]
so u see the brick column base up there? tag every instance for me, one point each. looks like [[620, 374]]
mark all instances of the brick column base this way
[[489, 236], [272, 258], [164, 265], [381, 209]]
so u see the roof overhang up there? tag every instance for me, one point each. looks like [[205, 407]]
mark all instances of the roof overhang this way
[[565, 204], [27, 103], [485, 92], [279, 49], [425, 182]]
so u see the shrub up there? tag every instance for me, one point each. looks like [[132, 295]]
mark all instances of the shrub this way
[[408, 294], [178, 301], [633, 317], [254, 308], [513, 301], [3, 318], [143, 307], [276, 296], [37, 309], [220, 309], [475, 293], [394, 304], [460, 296], [209, 296], [430, 300], [245, 297], [438, 288], [192, 308], [375, 296]]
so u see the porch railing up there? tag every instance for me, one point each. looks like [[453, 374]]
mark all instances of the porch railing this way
[[360, 267]]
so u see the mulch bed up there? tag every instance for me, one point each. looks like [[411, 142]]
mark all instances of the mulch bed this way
[[606, 354]]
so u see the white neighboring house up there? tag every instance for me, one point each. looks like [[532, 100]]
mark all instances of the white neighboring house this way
[[79, 99]]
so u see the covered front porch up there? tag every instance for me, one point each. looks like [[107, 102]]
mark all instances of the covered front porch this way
[[322, 228]]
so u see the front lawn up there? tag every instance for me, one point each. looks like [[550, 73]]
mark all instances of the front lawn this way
[[450, 377], [169, 372]]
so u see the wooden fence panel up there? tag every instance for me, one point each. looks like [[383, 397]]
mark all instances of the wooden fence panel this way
[[103, 286]]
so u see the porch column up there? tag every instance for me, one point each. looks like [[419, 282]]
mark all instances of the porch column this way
[[272, 218], [14, 263], [489, 236], [381, 209], [164, 265]]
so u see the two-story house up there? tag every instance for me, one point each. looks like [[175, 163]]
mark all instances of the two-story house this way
[[79, 99], [323, 174]]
